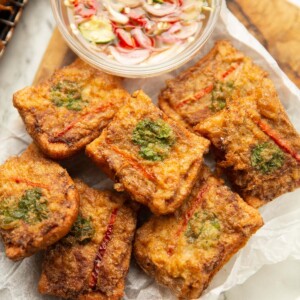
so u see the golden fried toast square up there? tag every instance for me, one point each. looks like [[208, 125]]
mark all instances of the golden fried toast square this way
[[38, 203], [92, 261], [204, 89], [148, 155], [257, 145], [68, 111], [184, 251]]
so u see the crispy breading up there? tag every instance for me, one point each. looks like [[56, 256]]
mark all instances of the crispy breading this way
[[38, 203], [68, 111], [184, 251], [202, 90], [157, 165], [92, 261], [257, 145]]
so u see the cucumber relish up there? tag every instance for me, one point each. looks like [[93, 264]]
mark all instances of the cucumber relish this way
[[137, 31]]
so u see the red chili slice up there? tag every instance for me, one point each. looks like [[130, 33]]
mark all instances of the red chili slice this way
[[187, 216], [102, 249], [141, 39], [230, 70], [203, 92], [72, 124], [197, 96], [133, 162], [277, 139], [125, 38], [207, 89], [31, 183]]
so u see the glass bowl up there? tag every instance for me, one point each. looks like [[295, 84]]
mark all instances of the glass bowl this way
[[133, 71]]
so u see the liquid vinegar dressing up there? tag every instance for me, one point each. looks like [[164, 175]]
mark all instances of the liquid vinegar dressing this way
[[137, 32]]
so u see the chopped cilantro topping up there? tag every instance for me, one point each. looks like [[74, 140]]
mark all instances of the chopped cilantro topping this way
[[221, 91], [67, 94], [81, 232], [204, 229], [155, 139], [31, 208], [267, 157]]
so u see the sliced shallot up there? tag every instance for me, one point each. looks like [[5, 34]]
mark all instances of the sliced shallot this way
[[176, 27], [143, 40], [132, 58], [186, 31], [131, 3], [116, 16], [160, 11]]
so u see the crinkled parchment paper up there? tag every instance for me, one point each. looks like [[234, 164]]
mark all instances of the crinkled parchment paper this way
[[277, 240]]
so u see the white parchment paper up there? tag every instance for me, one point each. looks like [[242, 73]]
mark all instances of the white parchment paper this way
[[276, 241]]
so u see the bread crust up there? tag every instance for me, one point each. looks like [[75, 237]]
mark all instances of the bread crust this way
[[66, 112], [247, 125], [200, 91], [70, 269], [31, 171], [184, 251], [161, 185]]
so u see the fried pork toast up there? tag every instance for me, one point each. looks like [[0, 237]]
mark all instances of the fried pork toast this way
[[38, 203], [184, 251], [68, 111], [149, 155], [92, 261], [257, 145], [204, 89]]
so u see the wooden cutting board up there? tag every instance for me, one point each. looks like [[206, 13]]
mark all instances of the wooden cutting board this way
[[275, 23]]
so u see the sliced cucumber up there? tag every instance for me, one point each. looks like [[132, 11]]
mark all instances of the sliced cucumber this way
[[97, 31]]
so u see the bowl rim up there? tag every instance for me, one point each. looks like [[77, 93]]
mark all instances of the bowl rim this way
[[134, 71]]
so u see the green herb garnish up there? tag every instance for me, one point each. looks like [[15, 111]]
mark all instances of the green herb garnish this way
[[31, 208], [155, 139], [217, 103], [204, 229], [81, 232], [267, 157], [67, 94], [220, 92]]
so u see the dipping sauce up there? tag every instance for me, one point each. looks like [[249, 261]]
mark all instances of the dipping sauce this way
[[137, 31]]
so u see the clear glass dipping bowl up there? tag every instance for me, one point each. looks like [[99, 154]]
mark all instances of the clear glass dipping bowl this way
[[140, 70]]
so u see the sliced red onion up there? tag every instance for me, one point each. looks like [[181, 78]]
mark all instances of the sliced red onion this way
[[176, 27], [163, 10], [131, 3], [136, 13], [132, 58], [85, 10], [174, 17], [168, 38], [187, 31], [167, 53], [143, 40], [116, 16]]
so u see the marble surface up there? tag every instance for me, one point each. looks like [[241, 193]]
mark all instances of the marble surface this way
[[17, 70]]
